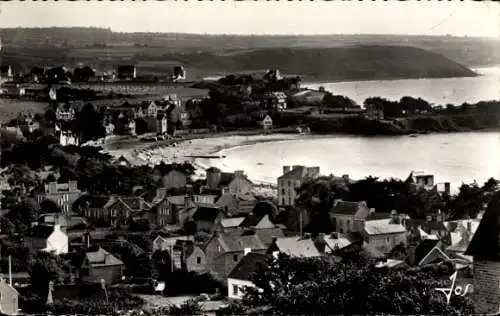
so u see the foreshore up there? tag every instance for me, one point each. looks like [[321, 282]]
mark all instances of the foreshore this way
[[187, 149]]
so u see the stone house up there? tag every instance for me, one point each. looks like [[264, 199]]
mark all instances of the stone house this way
[[236, 203], [224, 250], [230, 183], [384, 234], [485, 250], [57, 242], [170, 176], [257, 222], [350, 216], [294, 246], [63, 194], [229, 224], [68, 138], [103, 265], [240, 276], [207, 217], [188, 256], [331, 243], [291, 180], [161, 243]]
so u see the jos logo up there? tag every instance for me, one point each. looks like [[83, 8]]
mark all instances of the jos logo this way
[[453, 290]]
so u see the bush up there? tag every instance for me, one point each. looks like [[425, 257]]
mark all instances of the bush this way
[[234, 308], [190, 307]]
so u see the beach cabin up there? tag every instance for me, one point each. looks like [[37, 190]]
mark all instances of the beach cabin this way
[[267, 123]]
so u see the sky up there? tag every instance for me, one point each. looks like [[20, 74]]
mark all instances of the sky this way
[[468, 18]]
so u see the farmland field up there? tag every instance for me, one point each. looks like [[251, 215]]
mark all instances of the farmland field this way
[[9, 109]]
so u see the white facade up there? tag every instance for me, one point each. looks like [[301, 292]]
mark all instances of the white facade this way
[[58, 241], [67, 138], [267, 122], [235, 288]]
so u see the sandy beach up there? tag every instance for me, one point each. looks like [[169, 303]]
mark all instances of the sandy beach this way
[[140, 153]]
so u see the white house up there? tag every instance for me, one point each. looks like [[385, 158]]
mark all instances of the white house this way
[[58, 241], [267, 122], [67, 138], [239, 278]]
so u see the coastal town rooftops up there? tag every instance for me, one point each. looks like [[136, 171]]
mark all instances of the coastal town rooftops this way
[[102, 258], [231, 222], [205, 213], [235, 242], [248, 265], [485, 244], [266, 235]]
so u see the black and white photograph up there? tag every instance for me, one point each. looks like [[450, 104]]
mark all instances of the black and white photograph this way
[[249, 158]]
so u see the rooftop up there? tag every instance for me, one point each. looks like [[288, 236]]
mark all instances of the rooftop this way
[[349, 208], [383, 226], [297, 247], [248, 265]]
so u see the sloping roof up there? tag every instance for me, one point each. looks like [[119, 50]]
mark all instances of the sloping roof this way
[[251, 220], [231, 222], [297, 247], [102, 258], [178, 200], [98, 201], [337, 242], [296, 174], [41, 231], [208, 214], [248, 265], [485, 243], [434, 254], [232, 242], [135, 202], [266, 235], [383, 226], [348, 208], [377, 216]]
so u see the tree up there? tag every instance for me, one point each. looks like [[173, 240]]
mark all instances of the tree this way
[[49, 206], [23, 214], [44, 267], [321, 287]]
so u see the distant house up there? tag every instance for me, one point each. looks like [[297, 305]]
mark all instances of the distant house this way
[[236, 203], [37, 239], [266, 235], [332, 243], [68, 138], [227, 224], [207, 217], [63, 194], [240, 277], [109, 127], [291, 180], [384, 234], [350, 216], [126, 72], [170, 176], [275, 100], [257, 222], [9, 298], [179, 74], [421, 180], [189, 256], [65, 112], [267, 123], [103, 266], [6, 73], [168, 243], [224, 250], [295, 247], [236, 183], [57, 242]]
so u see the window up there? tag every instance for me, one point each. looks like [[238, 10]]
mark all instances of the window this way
[[219, 248], [235, 289], [235, 258], [198, 260], [282, 191]]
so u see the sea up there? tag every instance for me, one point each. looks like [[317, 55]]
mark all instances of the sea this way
[[452, 157]]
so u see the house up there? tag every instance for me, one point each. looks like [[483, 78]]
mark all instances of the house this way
[[331, 243], [267, 123], [167, 243], [103, 266], [421, 181], [9, 298], [236, 203], [37, 239], [159, 213], [161, 123], [226, 224], [224, 250], [241, 276], [65, 112], [68, 138], [236, 183], [295, 247], [485, 250], [207, 217], [275, 100], [266, 235], [57, 242], [188, 256], [351, 216], [384, 234], [257, 222], [63, 194], [291, 180], [126, 72], [372, 113], [171, 176]]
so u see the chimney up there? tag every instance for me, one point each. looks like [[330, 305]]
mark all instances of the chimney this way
[[469, 226], [307, 236], [239, 173], [345, 177], [246, 251], [447, 188], [286, 169], [295, 167]]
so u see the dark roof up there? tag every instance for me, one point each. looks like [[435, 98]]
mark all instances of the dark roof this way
[[76, 259], [134, 203], [208, 214], [247, 266], [98, 201], [485, 243], [41, 231], [375, 215], [251, 220], [226, 178], [267, 235], [187, 246], [213, 169], [348, 208]]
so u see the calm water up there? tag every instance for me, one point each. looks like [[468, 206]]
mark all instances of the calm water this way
[[437, 91], [454, 157]]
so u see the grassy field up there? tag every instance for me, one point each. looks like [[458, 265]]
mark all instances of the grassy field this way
[[10, 109]]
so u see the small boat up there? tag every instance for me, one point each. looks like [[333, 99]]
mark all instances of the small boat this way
[[259, 164], [413, 135]]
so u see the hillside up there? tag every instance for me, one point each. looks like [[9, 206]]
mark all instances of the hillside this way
[[360, 62], [465, 50]]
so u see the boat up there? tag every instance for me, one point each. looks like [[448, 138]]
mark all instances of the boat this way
[[259, 164], [413, 135]]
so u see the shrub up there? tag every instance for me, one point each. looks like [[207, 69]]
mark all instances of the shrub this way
[[234, 308]]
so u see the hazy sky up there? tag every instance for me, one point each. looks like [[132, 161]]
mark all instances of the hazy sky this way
[[261, 17]]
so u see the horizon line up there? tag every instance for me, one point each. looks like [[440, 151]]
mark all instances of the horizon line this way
[[255, 35]]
